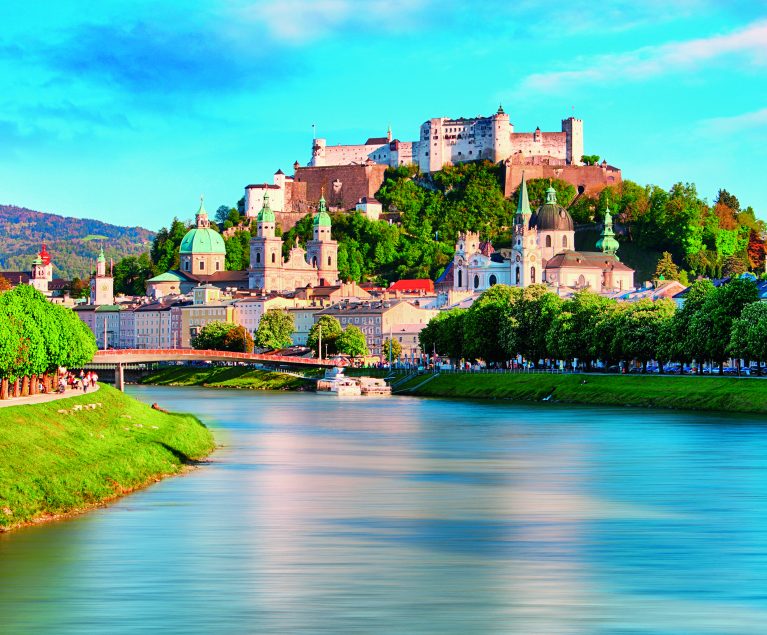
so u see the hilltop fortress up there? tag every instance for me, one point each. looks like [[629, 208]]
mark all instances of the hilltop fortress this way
[[445, 141], [350, 175]]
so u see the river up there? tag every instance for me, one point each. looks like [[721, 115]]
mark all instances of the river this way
[[399, 516]]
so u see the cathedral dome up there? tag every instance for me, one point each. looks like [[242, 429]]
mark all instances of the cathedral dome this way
[[551, 216], [202, 239]]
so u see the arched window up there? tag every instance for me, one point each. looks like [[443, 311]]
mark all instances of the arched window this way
[[548, 241], [476, 282], [493, 280], [330, 261], [564, 242], [532, 275], [519, 273], [460, 278], [186, 265], [314, 261], [274, 257], [258, 257]]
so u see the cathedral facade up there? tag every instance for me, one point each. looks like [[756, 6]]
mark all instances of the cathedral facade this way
[[317, 265]]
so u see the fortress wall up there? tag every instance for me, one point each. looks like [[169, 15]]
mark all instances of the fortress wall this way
[[552, 144], [344, 184], [592, 178]]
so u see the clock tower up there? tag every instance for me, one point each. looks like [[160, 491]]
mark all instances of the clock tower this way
[[102, 285]]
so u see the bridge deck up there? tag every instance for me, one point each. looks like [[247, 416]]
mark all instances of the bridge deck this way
[[137, 356]]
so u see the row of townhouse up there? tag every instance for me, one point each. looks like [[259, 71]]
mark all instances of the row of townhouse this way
[[173, 321]]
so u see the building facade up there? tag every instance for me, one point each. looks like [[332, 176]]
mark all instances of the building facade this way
[[317, 265]]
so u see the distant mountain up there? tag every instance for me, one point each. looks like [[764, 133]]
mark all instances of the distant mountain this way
[[72, 242]]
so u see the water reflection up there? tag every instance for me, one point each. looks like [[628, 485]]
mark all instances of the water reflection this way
[[417, 516]]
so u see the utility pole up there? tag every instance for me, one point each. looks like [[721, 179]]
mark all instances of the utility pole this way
[[319, 347]]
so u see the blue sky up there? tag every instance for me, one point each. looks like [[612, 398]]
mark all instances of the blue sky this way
[[127, 111]]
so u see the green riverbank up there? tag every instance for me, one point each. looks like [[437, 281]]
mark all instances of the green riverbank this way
[[71, 455], [684, 393], [226, 377]]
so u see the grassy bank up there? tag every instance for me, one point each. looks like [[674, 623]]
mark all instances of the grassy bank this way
[[688, 393], [226, 377], [70, 455]]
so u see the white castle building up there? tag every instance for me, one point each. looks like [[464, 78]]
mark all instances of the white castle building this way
[[443, 141]]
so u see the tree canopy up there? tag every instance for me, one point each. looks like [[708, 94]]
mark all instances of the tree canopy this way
[[274, 330]]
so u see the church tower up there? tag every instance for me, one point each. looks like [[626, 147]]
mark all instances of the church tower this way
[[322, 251], [526, 268], [265, 251], [607, 242], [102, 285]]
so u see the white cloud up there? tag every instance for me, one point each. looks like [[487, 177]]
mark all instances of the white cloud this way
[[748, 44], [301, 21], [737, 123]]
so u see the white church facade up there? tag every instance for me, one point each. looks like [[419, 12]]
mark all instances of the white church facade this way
[[542, 252]]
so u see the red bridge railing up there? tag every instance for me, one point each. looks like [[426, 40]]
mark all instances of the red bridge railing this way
[[128, 355]]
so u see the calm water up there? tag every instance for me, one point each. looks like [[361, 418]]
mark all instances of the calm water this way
[[417, 516]]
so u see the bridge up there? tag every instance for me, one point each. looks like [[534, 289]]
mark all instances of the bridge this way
[[119, 358]]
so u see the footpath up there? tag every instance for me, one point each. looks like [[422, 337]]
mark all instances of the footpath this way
[[46, 397]]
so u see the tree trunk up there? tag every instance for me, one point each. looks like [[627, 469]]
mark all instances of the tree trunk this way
[[4, 388], [17, 388], [25, 386], [721, 368], [33, 385]]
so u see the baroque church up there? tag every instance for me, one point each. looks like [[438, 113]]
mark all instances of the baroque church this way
[[202, 256], [542, 252]]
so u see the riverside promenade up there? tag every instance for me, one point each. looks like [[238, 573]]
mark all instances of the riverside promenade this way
[[46, 397]]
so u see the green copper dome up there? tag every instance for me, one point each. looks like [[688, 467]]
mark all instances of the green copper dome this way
[[266, 215], [322, 219], [202, 239], [102, 258]]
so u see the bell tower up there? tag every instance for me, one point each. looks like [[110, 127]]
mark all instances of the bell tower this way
[[102, 285], [322, 251], [526, 266], [265, 252]]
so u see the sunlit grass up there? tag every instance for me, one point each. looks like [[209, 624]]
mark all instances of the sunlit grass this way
[[57, 458]]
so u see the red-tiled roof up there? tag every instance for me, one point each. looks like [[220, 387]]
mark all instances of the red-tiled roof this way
[[413, 285]]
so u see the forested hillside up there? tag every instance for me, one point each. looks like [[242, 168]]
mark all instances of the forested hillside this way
[[73, 242]]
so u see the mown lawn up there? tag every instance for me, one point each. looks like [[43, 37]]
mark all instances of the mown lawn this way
[[71, 454], [226, 377], [690, 393]]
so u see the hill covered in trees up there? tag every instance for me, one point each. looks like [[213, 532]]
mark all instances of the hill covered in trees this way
[[73, 242]]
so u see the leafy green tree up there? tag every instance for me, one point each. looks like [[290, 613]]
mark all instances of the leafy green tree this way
[[730, 200], [666, 269], [352, 342], [238, 340], [748, 337], [571, 334], [238, 251], [396, 349], [211, 336], [590, 159], [328, 329], [131, 274], [678, 341], [275, 330], [487, 317], [640, 328], [165, 247], [222, 214], [444, 334], [533, 314], [711, 326]]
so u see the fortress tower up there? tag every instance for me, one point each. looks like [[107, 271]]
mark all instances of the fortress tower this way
[[573, 129]]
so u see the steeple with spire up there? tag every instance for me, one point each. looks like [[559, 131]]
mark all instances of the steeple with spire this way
[[202, 215], [607, 242]]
